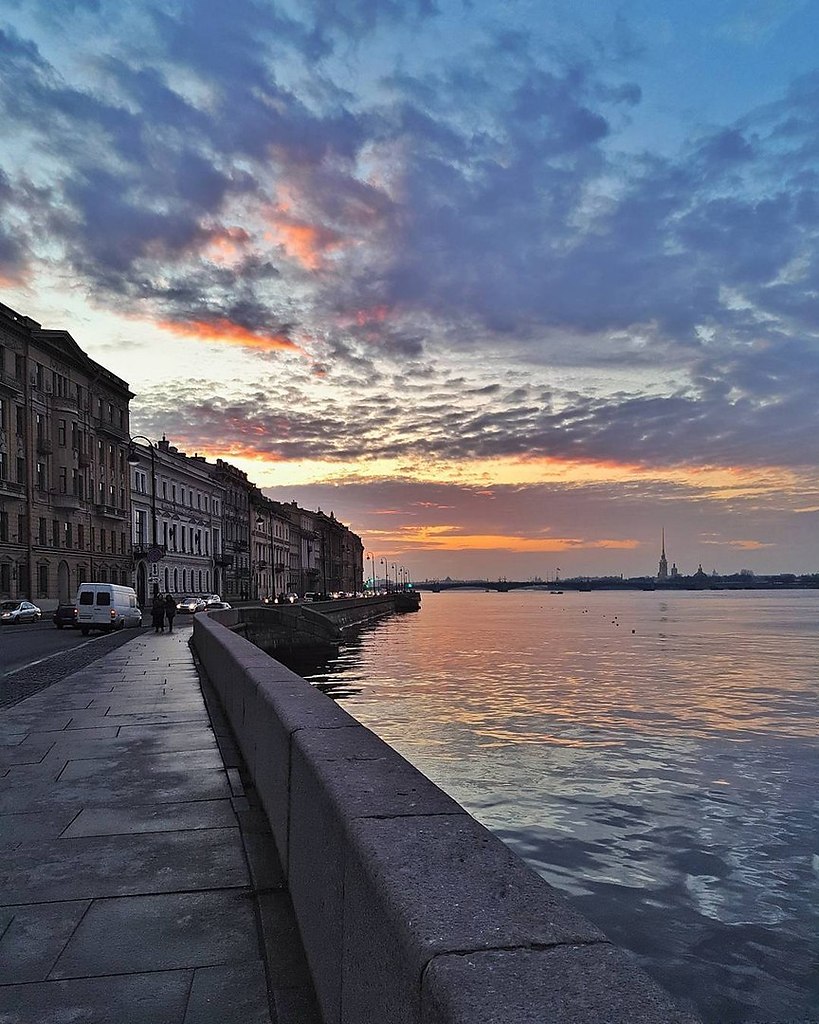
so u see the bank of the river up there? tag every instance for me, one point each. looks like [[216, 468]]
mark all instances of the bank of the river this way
[[653, 755]]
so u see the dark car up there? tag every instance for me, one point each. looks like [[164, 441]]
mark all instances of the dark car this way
[[65, 615]]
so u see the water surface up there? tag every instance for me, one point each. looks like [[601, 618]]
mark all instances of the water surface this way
[[653, 755]]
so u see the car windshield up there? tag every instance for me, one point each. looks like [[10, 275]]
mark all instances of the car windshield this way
[[9, 606]]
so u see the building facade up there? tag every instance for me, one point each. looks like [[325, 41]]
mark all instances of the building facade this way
[[64, 483], [234, 561], [176, 522], [81, 500]]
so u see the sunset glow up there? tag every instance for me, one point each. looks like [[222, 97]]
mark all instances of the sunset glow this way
[[223, 331], [444, 265]]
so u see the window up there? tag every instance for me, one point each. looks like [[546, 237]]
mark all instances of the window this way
[[41, 535], [103, 597], [3, 406], [55, 533], [22, 529], [81, 537], [21, 419], [102, 538], [61, 433], [122, 543], [63, 480], [68, 539], [42, 479], [4, 466], [19, 366], [4, 525], [5, 578], [42, 581], [21, 470]]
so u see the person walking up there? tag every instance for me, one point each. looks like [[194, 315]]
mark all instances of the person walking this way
[[158, 613], [170, 610]]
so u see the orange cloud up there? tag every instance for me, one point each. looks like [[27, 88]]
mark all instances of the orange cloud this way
[[307, 244], [225, 245], [223, 330], [449, 538]]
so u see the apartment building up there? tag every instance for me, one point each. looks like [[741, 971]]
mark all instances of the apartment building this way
[[176, 521], [64, 484]]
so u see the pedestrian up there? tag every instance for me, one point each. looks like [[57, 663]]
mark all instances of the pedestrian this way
[[158, 613], [170, 610]]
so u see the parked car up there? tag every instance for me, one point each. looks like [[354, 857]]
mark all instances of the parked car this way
[[211, 600], [12, 613], [106, 606], [215, 606], [190, 604], [65, 615]]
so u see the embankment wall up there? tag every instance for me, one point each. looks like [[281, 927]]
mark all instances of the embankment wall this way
[[410, 911]]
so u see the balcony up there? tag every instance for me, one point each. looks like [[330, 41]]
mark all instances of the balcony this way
[[11, 382], [110, 511], [10, 487], [103, 426], [44, 445]]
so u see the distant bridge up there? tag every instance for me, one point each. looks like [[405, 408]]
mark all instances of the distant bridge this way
[[500, 585]]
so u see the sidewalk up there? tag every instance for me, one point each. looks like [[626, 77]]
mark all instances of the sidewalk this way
[[139, 882]]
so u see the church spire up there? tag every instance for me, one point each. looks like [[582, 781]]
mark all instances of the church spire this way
[[662, 571]]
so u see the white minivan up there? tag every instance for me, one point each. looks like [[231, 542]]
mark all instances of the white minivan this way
[[106, 606]]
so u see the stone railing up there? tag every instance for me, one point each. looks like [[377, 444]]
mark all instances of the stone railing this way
[[410, 911]]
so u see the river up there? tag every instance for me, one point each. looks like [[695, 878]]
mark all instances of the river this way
[[653, 755]]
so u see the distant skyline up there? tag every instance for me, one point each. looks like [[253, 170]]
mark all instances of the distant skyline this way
[[508, 286]]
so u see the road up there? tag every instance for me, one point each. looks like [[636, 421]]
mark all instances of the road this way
[[34, 641]]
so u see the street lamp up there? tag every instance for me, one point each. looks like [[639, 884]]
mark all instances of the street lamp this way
[[386, 573], [395, 574], [371, 557], [155, 553]]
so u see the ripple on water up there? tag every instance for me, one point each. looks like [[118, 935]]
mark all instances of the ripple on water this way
[[665, 779]]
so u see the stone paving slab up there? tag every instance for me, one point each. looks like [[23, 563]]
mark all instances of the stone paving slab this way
[[159, 933], [158, 998], [139, 881], [115, 821]]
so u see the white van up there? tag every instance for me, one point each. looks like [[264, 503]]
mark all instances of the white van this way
[[106, 606]]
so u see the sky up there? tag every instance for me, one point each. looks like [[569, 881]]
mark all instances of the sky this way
[[510, 286]]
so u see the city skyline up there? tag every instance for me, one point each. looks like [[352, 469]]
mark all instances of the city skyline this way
[[507, 287]]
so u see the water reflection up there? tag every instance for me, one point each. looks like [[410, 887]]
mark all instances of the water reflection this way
[[654, 757]]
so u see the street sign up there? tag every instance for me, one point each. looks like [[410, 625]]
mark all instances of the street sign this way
[[155, 553]]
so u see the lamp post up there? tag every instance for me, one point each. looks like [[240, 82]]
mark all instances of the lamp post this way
[[371, 557], [386, 573], [155, 552], [395, 574]]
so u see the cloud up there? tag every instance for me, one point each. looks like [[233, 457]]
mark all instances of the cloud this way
[[231, 173]]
